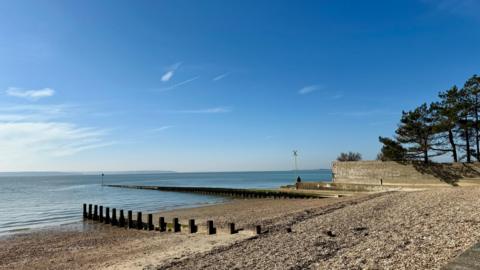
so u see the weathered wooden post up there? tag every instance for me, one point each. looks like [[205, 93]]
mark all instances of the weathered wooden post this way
[[130, 220], [162, 224], [114, 220], [121, 220], [150, 222], [100, 214], [89, 211], [176, 225], [107, 215], [85, 215], [210, 228], [139, 221], [232, 228], [95, 212], [258, 229], [192, 226]]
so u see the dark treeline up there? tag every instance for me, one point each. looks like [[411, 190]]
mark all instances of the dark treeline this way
[[448, 126]]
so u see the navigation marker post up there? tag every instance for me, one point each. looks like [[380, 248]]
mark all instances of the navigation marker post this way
[[295, 155]]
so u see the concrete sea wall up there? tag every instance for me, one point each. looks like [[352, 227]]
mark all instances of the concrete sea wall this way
[[390, 172]]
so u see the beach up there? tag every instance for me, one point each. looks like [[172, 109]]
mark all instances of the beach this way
[[106, 247], [391, 230]]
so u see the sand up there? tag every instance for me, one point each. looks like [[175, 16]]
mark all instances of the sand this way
[[395, 230], [106, 247]]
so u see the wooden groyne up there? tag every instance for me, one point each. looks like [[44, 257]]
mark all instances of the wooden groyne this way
[[231, 192], [137, 223]]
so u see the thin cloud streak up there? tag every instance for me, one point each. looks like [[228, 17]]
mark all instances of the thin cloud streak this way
[[337, 96], [204, 111], [170, 72], [179, 84], [32, 112], [308, 89], [30, 94], [162, 128], [221, 76], [167, 76], [456, 7]]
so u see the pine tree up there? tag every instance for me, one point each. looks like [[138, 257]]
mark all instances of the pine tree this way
[[465, 122], [472, 89], [417, 131], [391, 150], [446, 117]]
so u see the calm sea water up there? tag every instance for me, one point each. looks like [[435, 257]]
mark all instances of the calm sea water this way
[[35, 202]]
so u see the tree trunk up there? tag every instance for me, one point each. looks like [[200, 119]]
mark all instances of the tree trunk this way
[[467, 140], [454, 147], [425, 151], [476, 129]]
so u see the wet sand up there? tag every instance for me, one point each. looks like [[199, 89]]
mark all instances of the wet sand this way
[[106, 247]]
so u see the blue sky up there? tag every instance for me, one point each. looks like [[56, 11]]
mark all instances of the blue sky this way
[[219, 85]]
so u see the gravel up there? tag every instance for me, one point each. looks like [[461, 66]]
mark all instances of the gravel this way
[[401, 230]]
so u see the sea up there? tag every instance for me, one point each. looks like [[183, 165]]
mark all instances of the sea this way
[[34, 202]]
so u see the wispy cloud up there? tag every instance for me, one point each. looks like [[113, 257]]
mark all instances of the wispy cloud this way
[[170, 72], [337, 96], [221, 76], [38, 131], [308, 89], [178, 84], [162, 128], [14, 113], [167, 76], [30, 94], [204, 111], [457, 7]]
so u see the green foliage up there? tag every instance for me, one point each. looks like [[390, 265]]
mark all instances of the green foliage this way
[[450, 125], [350, 156], [416, 131], [391, 150]]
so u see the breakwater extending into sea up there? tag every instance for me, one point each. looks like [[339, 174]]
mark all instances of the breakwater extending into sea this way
[[40, 201]]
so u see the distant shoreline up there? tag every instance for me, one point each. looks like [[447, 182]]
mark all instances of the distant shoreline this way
[[60, 173]]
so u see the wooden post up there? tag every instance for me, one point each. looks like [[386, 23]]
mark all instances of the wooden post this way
[[232, 228], [162, 224], [130, 220], [258, 228], [210, 228], [85, 215], [100, 215], [176, 225], [114, 217], [107, 215], [121, 220], [139, 221], [95, 212], [192, 226], [150, 222], [89, 211]]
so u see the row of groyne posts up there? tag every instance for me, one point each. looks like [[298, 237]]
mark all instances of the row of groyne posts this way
[[230, 192], [130, 223]]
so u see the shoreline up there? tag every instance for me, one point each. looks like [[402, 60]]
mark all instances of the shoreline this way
[[392, 230], [60, 249], [74, 225]]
